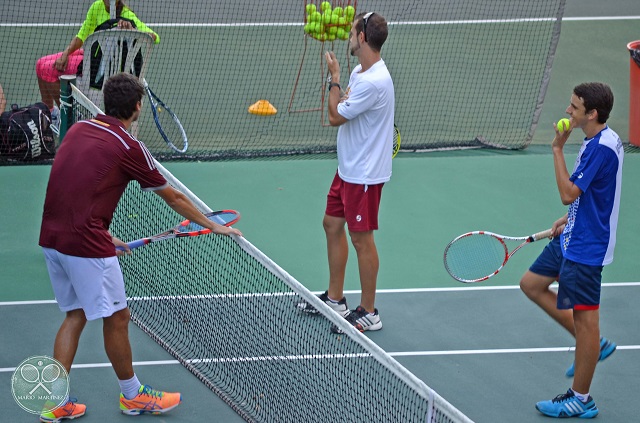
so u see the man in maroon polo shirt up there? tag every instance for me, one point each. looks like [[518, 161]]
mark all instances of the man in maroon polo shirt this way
[[90, 172]]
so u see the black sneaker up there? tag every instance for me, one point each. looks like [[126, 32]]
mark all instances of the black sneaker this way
[[362, 320], [339, 307]]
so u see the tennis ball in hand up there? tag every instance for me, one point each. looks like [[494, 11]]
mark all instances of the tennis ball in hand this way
[[563, 125]]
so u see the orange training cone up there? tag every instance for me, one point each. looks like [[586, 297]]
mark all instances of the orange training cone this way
[[262, 108]]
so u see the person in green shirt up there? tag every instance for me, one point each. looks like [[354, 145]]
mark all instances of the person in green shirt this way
[[50, 68]]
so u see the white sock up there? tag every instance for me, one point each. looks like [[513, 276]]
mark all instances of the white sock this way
[[60, 385], [581, 397], [130, 387]]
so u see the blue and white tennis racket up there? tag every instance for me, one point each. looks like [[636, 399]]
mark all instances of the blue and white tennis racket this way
[[167, 122]]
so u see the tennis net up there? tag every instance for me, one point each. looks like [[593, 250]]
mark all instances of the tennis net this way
[[227, 313], [466, 73]]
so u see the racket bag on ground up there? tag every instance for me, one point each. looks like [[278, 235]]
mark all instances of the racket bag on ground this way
[[25, 133]]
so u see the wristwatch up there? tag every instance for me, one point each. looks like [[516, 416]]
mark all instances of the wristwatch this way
[[332, 84]]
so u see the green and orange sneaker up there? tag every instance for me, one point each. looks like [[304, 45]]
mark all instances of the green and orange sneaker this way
[[71, 410], [151, 401]]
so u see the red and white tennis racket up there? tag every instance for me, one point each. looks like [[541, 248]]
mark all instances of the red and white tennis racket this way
[[189, 228], [477, 256]]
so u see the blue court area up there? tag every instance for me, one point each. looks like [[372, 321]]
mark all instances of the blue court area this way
[[475, 345], [485, 348]]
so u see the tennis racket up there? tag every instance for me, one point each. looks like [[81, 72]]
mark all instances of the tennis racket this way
[[188, 228], [167, 122], [477, 256], [396, 140]]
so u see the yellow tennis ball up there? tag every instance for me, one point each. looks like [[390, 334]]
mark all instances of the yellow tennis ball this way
[[563, 125], [349, 12]]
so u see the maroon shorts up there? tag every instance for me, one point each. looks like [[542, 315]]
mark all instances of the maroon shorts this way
[[357, 204]]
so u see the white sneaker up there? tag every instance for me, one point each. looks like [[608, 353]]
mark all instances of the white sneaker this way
[[339, 307], [55, 120], [362, 320]]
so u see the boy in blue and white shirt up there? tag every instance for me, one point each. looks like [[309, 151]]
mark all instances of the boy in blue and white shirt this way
[[584, 240], [598, 174]]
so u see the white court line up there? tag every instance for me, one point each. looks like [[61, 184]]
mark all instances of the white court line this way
[[277, 294], [470, 287], [263, 24], [497, 351], [334, 356]]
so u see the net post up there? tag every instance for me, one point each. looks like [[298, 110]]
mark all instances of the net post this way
[[66, 104], [112, 9]]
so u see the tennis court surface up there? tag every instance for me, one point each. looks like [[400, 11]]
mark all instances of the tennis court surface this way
[[484, 348], [467, 344]]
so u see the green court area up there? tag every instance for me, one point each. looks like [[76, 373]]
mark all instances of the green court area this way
[[475, 335], [481, 80], [211, 96]]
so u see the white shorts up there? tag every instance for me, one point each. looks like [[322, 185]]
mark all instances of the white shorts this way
[[95, 285]]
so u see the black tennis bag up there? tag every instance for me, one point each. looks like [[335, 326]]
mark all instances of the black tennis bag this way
[[25, 133], [96, 55]]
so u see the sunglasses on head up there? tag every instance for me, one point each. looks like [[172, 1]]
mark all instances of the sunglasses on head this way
[[365, 19]]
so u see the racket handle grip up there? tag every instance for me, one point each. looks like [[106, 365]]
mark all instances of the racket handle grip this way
[[542, 235], [133, 244]]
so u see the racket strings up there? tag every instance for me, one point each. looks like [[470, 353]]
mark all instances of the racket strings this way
[[396, 140], [474, 257], [170, 127], [221, 218]]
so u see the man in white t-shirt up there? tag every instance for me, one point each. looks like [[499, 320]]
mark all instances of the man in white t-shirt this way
[[584, 241], [364, 113]]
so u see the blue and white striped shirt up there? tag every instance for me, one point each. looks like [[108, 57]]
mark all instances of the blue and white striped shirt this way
[[590, 234]]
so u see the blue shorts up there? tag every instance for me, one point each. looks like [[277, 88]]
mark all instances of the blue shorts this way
[[549, 261], [579, 284]]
